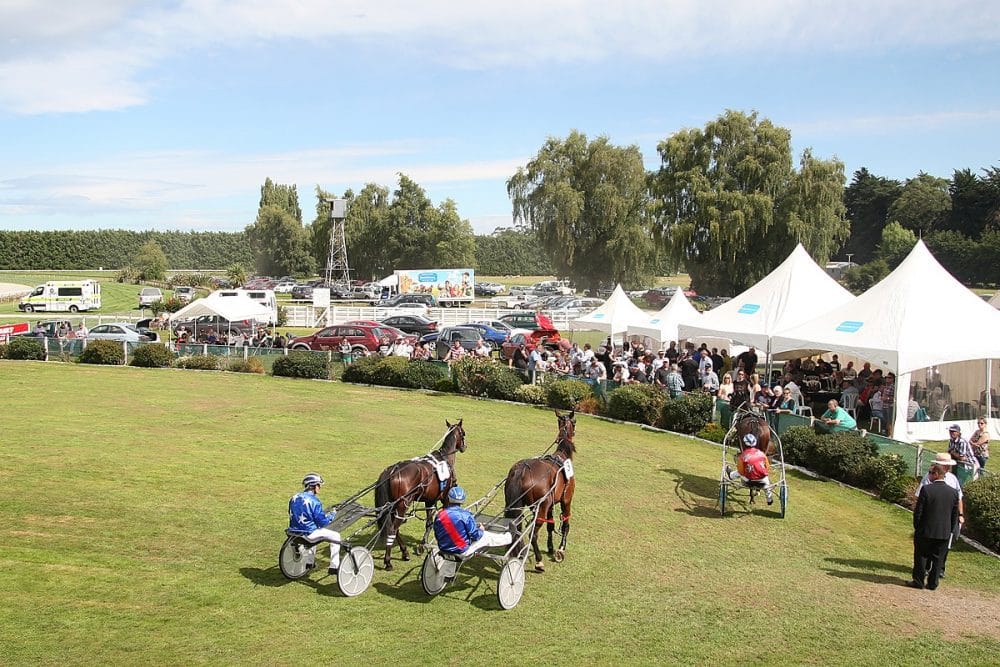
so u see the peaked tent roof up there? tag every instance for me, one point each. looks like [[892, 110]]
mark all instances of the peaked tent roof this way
[[662, 325], [233, 308], [795, 292], [614, 315], [917, 316], [995, 301]]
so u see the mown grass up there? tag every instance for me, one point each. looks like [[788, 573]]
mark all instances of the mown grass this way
[[116, 298], [141, 513]]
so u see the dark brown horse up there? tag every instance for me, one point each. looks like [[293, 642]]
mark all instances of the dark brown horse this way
[[543, 480], [406, 482], [748, 422]]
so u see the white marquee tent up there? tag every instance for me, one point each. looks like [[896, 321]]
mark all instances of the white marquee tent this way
[[995, 301], [662, 325], [233, 308], [918, 318], [614, 315], [795, 292]]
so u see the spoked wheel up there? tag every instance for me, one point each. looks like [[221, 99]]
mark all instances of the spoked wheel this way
[[293, 557], [722, 498], [510, 584], [433, 573], [355, 573], [783, 498]]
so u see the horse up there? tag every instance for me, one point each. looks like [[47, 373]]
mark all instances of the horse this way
[[405, 482], [543, 480], [749, 422]]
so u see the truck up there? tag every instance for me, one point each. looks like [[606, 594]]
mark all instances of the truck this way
[[63, 295], [448, 287]]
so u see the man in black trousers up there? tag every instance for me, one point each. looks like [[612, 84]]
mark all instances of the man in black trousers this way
[[933, 519]]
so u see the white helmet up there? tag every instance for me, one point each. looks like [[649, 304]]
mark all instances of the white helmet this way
[[312, 479]]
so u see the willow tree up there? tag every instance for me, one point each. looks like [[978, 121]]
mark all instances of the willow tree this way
[[587, 201], [729, 205]]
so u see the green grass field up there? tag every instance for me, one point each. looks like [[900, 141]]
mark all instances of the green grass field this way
[[116, 298], [141, 512]]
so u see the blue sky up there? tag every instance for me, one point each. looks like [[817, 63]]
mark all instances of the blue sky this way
[[170, 115]]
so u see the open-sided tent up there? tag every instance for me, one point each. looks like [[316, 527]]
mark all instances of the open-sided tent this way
[[795, 292], [662, 325], [918, 318], [233, 308], [614, 315], [995, 301]]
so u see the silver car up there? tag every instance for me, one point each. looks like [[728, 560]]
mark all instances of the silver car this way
[[119, 332]]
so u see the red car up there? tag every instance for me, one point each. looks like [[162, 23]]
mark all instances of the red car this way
[[360, 336], [543, 331]]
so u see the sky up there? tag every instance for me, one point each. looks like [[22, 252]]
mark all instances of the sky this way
[[155, 114]]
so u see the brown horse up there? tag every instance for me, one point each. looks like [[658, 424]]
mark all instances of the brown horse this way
[[406, 482], [543, 480], [747, 422]]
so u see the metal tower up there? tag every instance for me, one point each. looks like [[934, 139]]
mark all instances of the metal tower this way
[[337, 269]]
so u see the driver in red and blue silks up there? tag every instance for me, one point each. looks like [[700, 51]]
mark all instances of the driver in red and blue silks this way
[[306, 517], [752, 465], [457, 531]]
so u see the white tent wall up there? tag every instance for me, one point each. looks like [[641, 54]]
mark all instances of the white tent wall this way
[[951, 394], [614, 316], [661, 327]]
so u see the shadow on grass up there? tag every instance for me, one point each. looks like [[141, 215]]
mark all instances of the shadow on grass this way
[[324, 584], [471, 584], [862, 564], [700, 497], [868, 575]]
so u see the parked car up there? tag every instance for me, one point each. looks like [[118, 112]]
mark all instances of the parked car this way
[[658, 296], [149, 295], [407, 309], [488, 289], [184, 294], [541, 327], [359, 336], [412, 324], [468, 336], [426, 299], [495, 337], [363, 293], [285, 287], [302, 293], [119, 332]]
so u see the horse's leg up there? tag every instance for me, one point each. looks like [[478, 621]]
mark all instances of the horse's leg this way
[[565, 508], [550, 525], [392, 529], [428, 524], [543, 511]]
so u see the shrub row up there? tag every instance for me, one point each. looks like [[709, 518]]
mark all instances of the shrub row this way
[[982, 510], [25, 349]]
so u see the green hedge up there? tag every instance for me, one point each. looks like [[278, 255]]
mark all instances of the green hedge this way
[[26, 349], [982, 510], [362, 371], [198, 363], [844, 456], [566, 394], [104, 352], [302, 364], [640, 403], [152, 356], [533, 394], [688, 413], [483, 377], [712, 431], [248, 365]]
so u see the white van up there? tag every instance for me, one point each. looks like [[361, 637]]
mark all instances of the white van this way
[[265, 297], [63, 295]]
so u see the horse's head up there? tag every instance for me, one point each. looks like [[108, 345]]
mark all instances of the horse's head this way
[[567, 425], [455, 440]]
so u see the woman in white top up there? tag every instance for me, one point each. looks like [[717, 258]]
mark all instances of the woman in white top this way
[[726, 388]]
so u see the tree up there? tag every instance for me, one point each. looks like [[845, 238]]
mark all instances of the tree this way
[[587, 203], [975, 203], [151, 261], [512, 252], [730, 206], [897, 242], [867, 200], [279, 242], [923, 205], [860, 278], [236, 275]]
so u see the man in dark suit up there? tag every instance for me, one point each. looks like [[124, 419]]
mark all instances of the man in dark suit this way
[[935, 515]]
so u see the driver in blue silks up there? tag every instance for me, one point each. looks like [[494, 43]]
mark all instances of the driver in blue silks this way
[[306, 516], [456, 529]]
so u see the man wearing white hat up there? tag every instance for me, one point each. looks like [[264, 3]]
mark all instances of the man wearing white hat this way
[[946, 463]]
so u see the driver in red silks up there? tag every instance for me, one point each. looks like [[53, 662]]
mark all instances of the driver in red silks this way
[[752, 466]]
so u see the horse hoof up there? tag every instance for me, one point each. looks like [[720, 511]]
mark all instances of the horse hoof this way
[[388, 567], [406, 556], [559, 556], [539, 567]]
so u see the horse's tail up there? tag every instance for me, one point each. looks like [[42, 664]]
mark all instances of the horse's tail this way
[[513, 492]]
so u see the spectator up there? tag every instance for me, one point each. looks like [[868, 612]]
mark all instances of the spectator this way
[[717, 360], [673, 382], [402, 349], [889, 403], [875, 406], [947, 463], [933, 519], [741, 396], [835, 419], [346, 353], [980, 442], [709, 379], [637, 376], [850, 373], [421, 352], [787, 403], [482, 350], [726, 387], [749, 359], [82, 331], [961, 452], [808, 366], [519, 359], [455, 352], [835, 364], [848, 388], [689, 372], [865, 372], [657, 363], [672, 352]]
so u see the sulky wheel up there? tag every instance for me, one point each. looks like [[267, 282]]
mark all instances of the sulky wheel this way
[[293, 557], [510, 584], [783, 498], [722, 498], [433, 573], [355, 573]]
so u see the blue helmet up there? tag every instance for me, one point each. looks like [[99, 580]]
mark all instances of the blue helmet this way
[[456, 494], [749, 440], [312, 479]]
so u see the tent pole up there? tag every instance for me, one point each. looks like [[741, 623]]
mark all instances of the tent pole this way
[[989, 389], [767, 371]]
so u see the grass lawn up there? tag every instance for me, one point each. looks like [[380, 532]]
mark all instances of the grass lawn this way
[[141, 512], [116, 298]]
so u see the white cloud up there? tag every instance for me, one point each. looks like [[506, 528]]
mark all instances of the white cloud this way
[[57, 57]]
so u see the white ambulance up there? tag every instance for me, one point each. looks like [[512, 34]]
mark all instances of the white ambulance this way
[[63, 295]]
